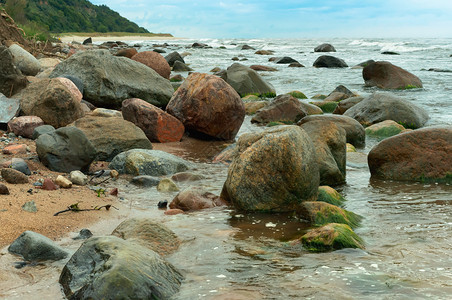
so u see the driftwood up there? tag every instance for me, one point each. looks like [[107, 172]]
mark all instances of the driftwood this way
[[74, 207]]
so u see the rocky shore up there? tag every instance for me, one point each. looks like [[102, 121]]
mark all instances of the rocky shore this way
[[79, 126]]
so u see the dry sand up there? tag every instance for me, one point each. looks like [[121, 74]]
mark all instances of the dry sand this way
[[73, 38]]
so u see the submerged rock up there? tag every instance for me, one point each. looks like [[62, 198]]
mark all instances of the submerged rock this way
[[195, 198], [385, 75], [331, 237], [325, 48], [321, 213], [33, 246]]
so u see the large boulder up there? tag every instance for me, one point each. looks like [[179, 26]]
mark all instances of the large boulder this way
[[329, 141], [419, 155], [24, 61], [325, 48], [328, 61], [154, 61], [52, 101], [33, 246], [158, 125], [383, 106], [208, 106], [148, 162], [284, 108], [112, 268], [108, 79], [195, 198], [11, 78], [112, 135], [274, 171], [148, 233], [173, 57], [385, 75], [65, 149], [354, 131], [247, 81], [9, 108]]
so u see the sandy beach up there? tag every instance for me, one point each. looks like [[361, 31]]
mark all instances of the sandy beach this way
[[79, 39]]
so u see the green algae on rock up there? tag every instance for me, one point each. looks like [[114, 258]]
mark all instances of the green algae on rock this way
[[329, 195], [384, 129], [321, 213], [332, 236]]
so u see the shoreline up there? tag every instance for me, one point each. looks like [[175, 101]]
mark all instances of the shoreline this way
[[80, 39]]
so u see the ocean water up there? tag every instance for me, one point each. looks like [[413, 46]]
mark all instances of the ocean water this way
[[407, 227]]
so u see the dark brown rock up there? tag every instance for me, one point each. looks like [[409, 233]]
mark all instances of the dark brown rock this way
[[263, 68], [4, 189], [385, 75], [284, 108], [195, 198], [127, 52], [344, 105], [154, 61], [14, 176]]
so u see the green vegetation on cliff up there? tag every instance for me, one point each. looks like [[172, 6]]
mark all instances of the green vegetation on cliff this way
[[68, 16]]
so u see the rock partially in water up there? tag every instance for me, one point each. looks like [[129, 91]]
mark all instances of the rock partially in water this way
[[195, 198], [173, 57], [329, 195], [331, 237], [418, 155], [383, 106], [321, 213], [344, 105], [166, 185], [148, 162], [384, 129], [284, 108], [274, 171], [149, 234], [33, 246], [186, 176], [385, 75], [145, 181], [328, 61], [112, 268], [154, 61], [181, 67], [325, 48]]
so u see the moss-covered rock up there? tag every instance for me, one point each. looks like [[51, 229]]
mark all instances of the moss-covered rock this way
[[166, 185], [298, 94], [350, 148], [251, 97], [331, 237], [384, 129], [329, 195], [327, 107], [321, 213]]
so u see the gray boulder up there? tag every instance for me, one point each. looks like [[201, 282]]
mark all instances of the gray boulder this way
[[344, 105], [383, 106], [65, 149], [108, 79], [181, 67], [274, 171], [11, 78], [148, 162], [355, 133], [38, 131], [325, 48], [24, 61], [33, 246], [247, 81], [112, 135], [328, 61], [112, 268], [173, 57], [9, 108]]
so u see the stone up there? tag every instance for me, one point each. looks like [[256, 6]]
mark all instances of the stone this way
[[385, 75], [33, 246], [325, 48], [208, 107], [48, 62], [127, 52], [419, 155], [145, 181], [247, 47], [30, 207], [285, 60], [297, 94], [63, 182], [264, 52], [332, 236], [329, 142], [71, 87], [4, 189], [107, 113], [177, 78], [40, 130], [24, 61], [24, 126], [157, 125], [263, 68], [344, 105], [311, 109], [13, 176], [9, 108], [384, 129], [355, 132], [49, 185], [247, 81], [20, 165], [78, 178], [186, 176], [363, 64], [173, 212], [148, 162], [111, 136], [65, 149], [274, 171], [52, 101], [11, 78], [379, 107], [252, 107], [173, 57], [148, 233], [195, 198], [295, 65], [327, 61], [181, 67], [87, 41], [15, 149], [350, 148], [83, 234], [336, 97], [329, 195], [154, 61], [284, 108], [108, 79], [251, 97], [75, 80], [166, 185], [106, 268], [320, 213]]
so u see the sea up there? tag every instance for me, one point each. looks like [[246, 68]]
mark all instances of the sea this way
[[407, 226]]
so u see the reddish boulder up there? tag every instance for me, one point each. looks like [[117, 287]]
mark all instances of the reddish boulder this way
[[71, 87], [158, 125], [263, 68], [127, 52], [284, 108], [25, 125], [385, 75], [195, 198], [208, 106], [154, 61], [418, 155]]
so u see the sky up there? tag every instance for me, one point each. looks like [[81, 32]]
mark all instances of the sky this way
[[290, 19]]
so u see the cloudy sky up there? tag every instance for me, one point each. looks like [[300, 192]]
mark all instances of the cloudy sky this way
[[289, 18]]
